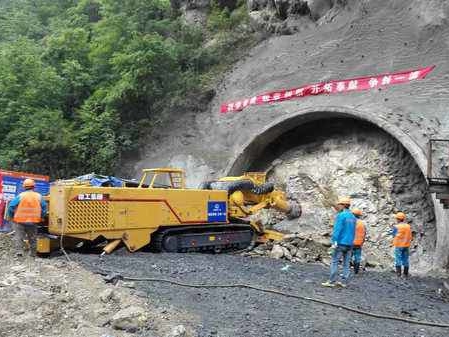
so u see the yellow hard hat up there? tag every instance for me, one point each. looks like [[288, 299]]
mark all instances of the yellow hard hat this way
[[344, 201], [28, 183], [357, 212], [399, 216]]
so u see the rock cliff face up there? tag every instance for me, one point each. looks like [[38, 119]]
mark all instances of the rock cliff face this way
[[342, 157], [337, 39]]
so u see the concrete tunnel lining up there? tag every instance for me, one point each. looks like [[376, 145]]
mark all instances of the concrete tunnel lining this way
[[256, 145]]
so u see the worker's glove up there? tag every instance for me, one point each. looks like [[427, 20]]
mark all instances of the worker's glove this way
[[332, 249]]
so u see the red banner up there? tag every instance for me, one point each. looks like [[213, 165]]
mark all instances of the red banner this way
[[330, 87]]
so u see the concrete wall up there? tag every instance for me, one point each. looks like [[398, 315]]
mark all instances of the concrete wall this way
[[363, 38]]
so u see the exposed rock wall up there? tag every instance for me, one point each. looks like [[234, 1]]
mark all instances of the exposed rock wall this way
[[322, 160], [353, 38]]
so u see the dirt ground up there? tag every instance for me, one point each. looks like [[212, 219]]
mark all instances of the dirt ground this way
[[54, 297], [244, 312]]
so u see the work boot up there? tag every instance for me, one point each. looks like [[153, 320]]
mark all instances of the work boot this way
[[356, 268], [328, 284], [340, 284], [398, 271], [406, 272]]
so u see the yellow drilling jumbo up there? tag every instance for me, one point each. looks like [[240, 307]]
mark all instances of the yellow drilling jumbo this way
[[161, 212]]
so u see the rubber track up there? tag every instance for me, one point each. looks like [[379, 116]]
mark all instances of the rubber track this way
[[157, 240]]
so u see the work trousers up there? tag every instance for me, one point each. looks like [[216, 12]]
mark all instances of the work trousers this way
[[346, 253], [357, 254], [401, 256], [25, 232]]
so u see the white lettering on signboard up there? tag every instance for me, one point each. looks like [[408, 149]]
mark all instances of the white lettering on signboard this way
[[341, 86], [352, 85], [91, 197], [373, 82], [9, 188], [413, 75], [8, 196], [316, 88], [328, 87], [299, 92], [386, 80]]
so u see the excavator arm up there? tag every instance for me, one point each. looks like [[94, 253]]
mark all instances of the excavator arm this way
[[249, 194]]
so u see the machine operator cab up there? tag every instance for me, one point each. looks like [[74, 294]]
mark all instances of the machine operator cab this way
[[172, 178]]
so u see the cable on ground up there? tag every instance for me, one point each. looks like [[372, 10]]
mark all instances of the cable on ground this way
[[279, 292]]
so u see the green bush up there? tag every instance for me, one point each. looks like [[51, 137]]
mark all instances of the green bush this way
[[81, 81]]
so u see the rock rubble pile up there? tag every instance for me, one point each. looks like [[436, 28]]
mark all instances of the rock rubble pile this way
[[295, 248]]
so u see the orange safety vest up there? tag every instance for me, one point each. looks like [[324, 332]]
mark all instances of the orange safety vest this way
[[403, 236], [359, 237], [29, 209]]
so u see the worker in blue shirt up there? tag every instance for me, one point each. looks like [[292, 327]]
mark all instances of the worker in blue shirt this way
[[342, 241]]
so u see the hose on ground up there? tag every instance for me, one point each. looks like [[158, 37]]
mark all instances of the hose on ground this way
[[279, 292]]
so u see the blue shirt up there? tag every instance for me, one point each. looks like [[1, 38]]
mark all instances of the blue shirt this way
[[15, 202], [394, 231], [344, 228]]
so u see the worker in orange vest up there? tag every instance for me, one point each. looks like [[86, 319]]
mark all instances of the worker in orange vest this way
[[359, 239], [27, 210], [402, 234]]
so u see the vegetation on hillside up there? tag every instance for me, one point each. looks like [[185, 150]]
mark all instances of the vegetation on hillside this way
[[82, 80]]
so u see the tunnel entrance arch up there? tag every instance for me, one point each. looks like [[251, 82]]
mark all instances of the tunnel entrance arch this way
[[273, 130], [251, 153]]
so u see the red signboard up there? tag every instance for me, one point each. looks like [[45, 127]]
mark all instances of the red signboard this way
[[329, 87]]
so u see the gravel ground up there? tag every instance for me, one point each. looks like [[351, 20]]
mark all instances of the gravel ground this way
[[53, 297], [242, 312]]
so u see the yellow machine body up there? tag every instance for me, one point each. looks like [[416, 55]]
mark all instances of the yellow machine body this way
[[130, 214], [79, 212]]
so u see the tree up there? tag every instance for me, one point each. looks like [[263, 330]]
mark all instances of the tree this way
[[81, 79]]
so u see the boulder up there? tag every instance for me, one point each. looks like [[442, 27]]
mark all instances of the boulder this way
[[301, 254], [325, 242], [277, 252], [287, 254], [106, 295], [130, 319], [319, 8], [178, 331]]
